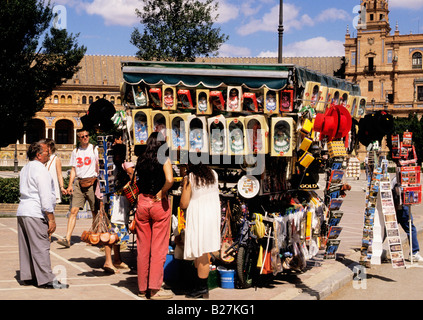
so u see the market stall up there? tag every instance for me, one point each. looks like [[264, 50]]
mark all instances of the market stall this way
[[268, 131]]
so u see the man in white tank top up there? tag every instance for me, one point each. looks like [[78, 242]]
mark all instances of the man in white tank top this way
[[84, 162]]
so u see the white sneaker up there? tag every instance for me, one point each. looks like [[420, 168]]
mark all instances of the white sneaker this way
[[417, 257]]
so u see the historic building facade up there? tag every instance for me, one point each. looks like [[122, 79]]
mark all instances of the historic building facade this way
[[99, 76], [387, 65]]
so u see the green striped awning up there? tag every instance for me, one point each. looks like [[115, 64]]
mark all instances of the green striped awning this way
[[274, 77]]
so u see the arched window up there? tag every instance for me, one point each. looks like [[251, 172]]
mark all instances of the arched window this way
[[56, 99], [69, 99], [62, 100], [417, 60], [84, 100], [90, 99], [35, 130], [64, 132]]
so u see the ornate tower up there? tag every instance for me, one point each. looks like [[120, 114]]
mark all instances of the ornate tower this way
[[374, 16]]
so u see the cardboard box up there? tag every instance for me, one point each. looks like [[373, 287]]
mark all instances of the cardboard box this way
[[203, 102], [197, 134], [257, 134], [160, 122], [282, 136], [217, 133], [236, 142], [179, 131], [234, 99], [142, 125], [169, 101]]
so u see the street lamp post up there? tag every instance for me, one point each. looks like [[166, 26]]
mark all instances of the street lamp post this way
[[280, 31], [15, 160]]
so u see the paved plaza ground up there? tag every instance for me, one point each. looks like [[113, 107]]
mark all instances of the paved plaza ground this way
[[80, 265]]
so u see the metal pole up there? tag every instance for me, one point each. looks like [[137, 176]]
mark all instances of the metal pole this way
[[410, 235], [15, 160], [280, 31]]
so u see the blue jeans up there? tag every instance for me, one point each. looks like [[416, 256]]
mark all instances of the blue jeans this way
[[403, 215]]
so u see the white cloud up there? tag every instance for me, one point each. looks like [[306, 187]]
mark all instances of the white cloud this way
[[409, 4], [270, 21], [332, 14], [114, 12], [122, 12], [226, 12], [314, 47], [249, 8], [268, 54], [228, 50]]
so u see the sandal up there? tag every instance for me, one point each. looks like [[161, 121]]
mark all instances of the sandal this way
[[122, 265], [110, 270], [161, 294], [64, 242]]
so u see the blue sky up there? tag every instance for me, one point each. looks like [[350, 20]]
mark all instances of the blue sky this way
[[312, 27]]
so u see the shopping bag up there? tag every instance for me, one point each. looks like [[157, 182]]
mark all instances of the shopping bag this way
[[131, 192]]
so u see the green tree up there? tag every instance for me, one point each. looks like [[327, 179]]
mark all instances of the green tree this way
[[177, 30], [35, 58]]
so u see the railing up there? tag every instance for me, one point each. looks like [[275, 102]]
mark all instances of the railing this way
[[22, 162], [11, 162], [368, 69]]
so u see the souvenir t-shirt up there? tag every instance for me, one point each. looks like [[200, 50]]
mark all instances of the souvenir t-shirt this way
[[84, 161]]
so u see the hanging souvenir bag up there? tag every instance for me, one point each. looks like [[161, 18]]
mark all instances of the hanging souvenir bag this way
[[100, 230], [227, 241], [132, 224], [131, 191]]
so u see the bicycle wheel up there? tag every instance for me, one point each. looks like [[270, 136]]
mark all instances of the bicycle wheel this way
[[245, 266]]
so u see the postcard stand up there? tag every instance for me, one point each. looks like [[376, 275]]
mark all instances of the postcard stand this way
[[333, 200], [391, 224], [409, 177], [106, 165], [379, 208], [373, 179]]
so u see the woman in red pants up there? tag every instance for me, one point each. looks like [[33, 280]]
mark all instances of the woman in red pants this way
[[155, 178]]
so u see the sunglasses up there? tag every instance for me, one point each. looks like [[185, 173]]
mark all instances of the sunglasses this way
[[85, 136]]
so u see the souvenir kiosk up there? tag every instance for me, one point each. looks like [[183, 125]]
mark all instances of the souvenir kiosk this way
[[266, 130]]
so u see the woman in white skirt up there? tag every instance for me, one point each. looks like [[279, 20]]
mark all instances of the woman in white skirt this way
[[54, 166], [200, 200]]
